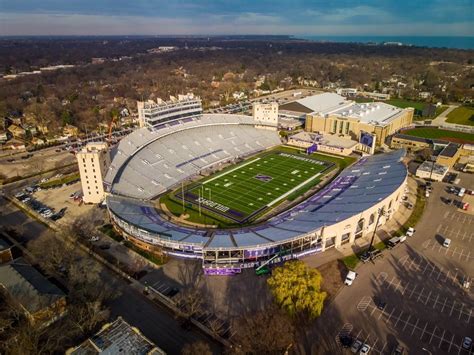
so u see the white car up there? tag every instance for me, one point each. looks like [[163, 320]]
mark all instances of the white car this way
[[447, 242], [350, 277], [94, 239], [365, 349], [467, 343], [410, 232]]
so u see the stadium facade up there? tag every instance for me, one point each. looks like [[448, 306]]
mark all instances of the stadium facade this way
[[153, 160]]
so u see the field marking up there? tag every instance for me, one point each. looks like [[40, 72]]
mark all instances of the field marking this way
[[231, 170], [293, 189]]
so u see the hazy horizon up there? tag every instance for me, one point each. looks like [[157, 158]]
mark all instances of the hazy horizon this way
[[240, 17]]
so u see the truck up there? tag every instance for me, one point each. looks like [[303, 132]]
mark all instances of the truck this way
[[350, 277], [393, 242]]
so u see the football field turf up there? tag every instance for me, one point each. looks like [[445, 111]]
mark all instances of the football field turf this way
[[245, 190]]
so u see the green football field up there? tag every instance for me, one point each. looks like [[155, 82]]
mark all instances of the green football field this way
[[257, 184]]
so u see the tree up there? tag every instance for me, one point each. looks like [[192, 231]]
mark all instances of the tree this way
[[297, 289], [268, 331], [198, 347]]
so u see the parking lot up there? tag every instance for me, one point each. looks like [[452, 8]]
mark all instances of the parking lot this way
[[415, 296]]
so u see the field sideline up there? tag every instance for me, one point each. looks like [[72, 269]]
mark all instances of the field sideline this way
[[255, 185]]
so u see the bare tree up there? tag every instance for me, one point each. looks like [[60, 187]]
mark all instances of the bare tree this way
[[266, 332], [52, 253], [198, 347]]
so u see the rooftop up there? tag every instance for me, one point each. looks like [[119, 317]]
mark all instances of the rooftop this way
[[326, 139], [450, 150], [28, 286], [375, 113], [116, 338], [426, 166]]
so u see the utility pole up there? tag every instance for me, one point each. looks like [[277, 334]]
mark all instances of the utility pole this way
[[380, 213]]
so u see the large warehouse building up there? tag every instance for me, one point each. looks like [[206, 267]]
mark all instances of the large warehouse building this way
[[157, 159]]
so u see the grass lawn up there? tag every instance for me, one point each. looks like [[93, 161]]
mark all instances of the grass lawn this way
[[440, 110], [61, 181], [418, 105], [433, 133], [463, 115]]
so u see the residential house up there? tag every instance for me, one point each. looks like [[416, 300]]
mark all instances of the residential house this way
[[41, 300], [70, 130], [17, 131], [117, 337]]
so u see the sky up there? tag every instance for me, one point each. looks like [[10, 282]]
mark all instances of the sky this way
[[211, 17]]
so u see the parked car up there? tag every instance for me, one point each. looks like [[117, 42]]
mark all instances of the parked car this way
[[350, 277], [381, 304], [356, 346], [447, 242], [365, 349], [410, 232], [94, 238], [398, 350], [467, 343]]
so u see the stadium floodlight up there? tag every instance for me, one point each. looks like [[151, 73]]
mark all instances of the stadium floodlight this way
[[210, 195]]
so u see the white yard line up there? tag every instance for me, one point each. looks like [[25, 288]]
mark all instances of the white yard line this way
[[231, 170], [293, 189]]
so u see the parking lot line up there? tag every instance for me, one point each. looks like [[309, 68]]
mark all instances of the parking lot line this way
[[407, 322], [424, 329], [442, 337], [428, 298], [419, 295], [452, 308], [415, 326], [460, 311], [413, 290], [468, 256], [447, 275], [398, 318], [436, 301], [432, 334], [469, 316], [403, 292], [444, 304], [390, 316], [451, 343]]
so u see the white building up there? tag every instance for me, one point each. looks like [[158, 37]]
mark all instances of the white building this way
[[151, 113], [431, 170], [93, 161], [267, 114]]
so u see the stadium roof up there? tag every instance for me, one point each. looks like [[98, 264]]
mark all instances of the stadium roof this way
[[356, 189]]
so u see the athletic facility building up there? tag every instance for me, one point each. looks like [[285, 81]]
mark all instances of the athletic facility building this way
[[256, 177], [333, 114]]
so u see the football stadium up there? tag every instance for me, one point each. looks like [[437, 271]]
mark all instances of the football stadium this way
[[233, 168]]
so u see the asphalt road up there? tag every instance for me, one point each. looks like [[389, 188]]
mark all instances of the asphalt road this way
[[155, 323]]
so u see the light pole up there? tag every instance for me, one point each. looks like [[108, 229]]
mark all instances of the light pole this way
[[380, 213], [210, 195]]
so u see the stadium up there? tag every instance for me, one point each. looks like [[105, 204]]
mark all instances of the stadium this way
[[233, 169]]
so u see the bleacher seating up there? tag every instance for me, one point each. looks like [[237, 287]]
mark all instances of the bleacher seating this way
[[147, 163]]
